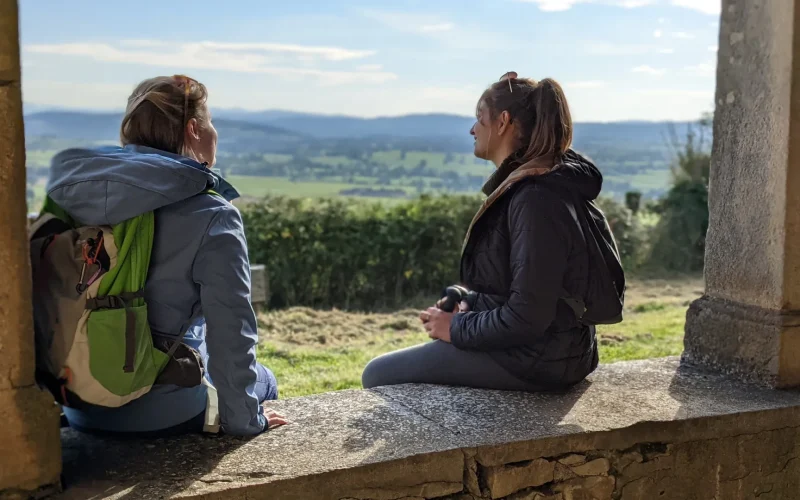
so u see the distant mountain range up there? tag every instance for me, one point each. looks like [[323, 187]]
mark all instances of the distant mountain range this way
[[248, 131]]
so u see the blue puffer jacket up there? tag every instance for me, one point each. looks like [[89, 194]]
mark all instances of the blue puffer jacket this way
[[198, 282]]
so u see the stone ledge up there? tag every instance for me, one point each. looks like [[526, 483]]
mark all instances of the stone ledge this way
[[645, 429]]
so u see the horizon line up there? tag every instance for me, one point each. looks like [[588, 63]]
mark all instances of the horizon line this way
[[52, 109]]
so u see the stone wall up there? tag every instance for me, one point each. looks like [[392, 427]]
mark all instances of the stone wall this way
[[645, 430], [763, 465]]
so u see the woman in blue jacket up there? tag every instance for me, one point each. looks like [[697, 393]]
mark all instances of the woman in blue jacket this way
[[199, 276]]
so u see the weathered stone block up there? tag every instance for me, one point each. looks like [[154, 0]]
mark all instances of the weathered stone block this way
[[30, 450], [597, 467], [586, 488], [765, 347], [16, 324], [471, 483], [563, 473], [9, 43], [573, 460], [503, 481], [535, 495], [259, 288]]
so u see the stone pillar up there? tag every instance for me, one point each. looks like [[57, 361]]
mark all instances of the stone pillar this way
[[30, 450], [748, 322]]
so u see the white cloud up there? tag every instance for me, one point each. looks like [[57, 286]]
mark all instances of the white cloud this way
[[588, 84], [468, 95], [682, 35], [410, 22], [370, 67], [324, 53], [677, 93], [649, 70], [702, 69], [710, 7], [450, 35], [275, 59], [658, 34], [562, 5], [666, 51], [713, 48], [600, 48], [436, 28]]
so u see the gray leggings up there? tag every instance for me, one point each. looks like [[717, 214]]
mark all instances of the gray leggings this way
[[441, 363]]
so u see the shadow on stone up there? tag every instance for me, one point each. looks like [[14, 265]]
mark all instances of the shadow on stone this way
[[700, 392], [131, 468]]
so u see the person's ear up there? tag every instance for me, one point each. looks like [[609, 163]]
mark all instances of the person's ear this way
[[193, 129], [503, 123]]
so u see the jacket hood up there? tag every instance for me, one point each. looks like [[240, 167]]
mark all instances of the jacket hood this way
[[108, 185], [574, 172]]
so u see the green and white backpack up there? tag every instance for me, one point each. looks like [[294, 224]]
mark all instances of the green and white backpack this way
[[93, 339]]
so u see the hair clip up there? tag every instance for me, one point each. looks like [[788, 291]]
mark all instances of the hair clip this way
[[508, 76], [185, 82]]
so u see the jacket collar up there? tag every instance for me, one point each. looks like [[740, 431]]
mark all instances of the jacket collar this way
[[502, 172], [216, 182]]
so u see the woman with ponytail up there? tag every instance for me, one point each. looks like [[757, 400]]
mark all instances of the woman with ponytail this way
[[524, 262]]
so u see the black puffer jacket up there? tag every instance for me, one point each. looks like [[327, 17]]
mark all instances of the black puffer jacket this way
[[523, 256]]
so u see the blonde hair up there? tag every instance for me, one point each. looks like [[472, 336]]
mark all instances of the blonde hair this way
[[159, 109]]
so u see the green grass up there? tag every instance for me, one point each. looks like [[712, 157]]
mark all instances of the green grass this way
[[261, 186], [313, 351], [276, 158], [333, 160], [258, 187], [435, 161]]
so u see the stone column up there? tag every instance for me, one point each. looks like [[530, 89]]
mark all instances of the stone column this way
[[748, 322], [30, 450]]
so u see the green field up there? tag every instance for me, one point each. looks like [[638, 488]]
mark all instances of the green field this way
[[327, 175], [258, 187], [459, 162], [313, 351], [39, 158]]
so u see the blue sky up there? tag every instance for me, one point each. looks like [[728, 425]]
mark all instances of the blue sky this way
[[617, 59]]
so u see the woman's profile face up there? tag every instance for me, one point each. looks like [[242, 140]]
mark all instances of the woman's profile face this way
[[208, 142], [482, 132], [202, 140]]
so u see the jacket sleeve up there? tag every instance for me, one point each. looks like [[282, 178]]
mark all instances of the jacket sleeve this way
[[539, 248], [222, 271]]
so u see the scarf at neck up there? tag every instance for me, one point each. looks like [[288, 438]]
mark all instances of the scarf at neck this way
[[507, 174]]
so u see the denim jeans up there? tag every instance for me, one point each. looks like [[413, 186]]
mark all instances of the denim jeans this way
[[266, 389]]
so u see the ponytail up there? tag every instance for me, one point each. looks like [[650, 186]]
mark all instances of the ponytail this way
[[541, 114], [551, 136]]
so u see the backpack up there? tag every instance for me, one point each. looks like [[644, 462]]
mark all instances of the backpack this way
[[92, 336], [605, 292]]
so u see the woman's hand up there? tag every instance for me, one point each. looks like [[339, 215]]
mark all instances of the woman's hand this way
[[462, 306], [437, 323], [274, 419]]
